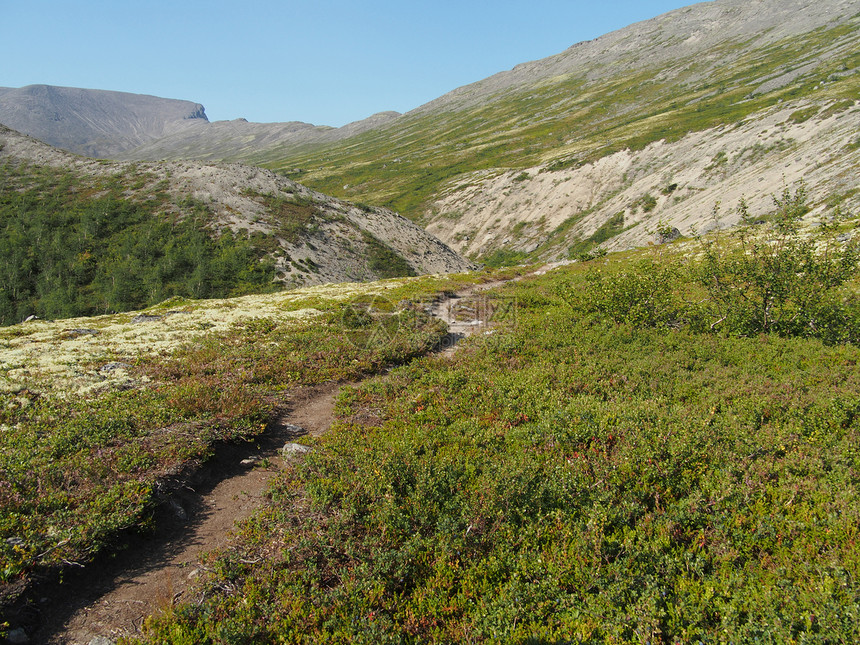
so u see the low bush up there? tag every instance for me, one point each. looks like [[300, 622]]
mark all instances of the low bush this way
[[601, 476], [766, 278], [643, 295], [384, 261], [772, 278]]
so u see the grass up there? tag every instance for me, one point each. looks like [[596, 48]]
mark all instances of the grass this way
[[567, 478], [605, 466], [94, 412], [505, 258]]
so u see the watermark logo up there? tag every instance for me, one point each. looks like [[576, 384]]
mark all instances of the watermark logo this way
[[372, 321]]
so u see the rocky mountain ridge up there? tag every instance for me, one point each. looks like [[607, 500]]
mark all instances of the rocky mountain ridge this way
[[95, 123], [673, 39], [313, 238], [241, 139], [120, 125]]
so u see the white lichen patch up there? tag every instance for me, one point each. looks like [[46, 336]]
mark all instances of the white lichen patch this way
[[80, 355]]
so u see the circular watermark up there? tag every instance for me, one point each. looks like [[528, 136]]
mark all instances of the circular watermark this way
[[371, 321]]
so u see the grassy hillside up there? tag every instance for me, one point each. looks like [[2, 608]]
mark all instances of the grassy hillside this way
[[659, 445], [75, 247], [629, 458], [652, 446], [84, 237], [579, 117]]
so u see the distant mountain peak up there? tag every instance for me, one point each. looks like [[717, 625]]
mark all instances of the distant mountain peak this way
[[96, 123]]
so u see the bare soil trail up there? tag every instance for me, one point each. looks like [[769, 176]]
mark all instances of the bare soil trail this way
[[469, 311], [111, 598]]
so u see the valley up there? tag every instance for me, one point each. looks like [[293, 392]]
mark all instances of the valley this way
[[567, 355]]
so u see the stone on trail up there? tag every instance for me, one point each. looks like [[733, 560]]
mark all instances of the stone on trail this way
[[291, 449], [100, 640], [17, 637]]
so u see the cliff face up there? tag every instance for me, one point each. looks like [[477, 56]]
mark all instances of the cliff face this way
[[95, 123]]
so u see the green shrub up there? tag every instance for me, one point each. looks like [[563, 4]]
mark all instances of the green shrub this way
[[504, 258], [587, 249], [643, 296], [803, 115], [648, 202], [769, 278], [384, 261], [777, 280], [594, 254]]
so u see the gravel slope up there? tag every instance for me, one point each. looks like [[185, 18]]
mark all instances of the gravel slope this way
[[688, 178]]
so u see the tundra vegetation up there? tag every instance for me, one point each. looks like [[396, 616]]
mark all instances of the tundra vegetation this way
[[71, 247], [658, 446], [78, 465]]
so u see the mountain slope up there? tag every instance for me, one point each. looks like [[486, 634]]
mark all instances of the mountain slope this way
[[709, 28], [649, 105], [67, 218], [695, 70], [96, 123], [694, 184]]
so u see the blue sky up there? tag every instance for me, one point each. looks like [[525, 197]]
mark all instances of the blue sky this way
[[327, 62]]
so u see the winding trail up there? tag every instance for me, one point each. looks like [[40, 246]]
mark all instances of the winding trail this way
[[112, 597]]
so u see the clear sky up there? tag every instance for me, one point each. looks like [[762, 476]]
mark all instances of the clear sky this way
[[326, 62]]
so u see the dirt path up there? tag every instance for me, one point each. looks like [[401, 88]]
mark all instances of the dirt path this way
[[112, 597], [469, 311]]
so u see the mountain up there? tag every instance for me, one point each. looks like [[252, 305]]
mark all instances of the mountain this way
[[96, 123], [649, 126], [654, 123], [240, 139], [695, 184], [82, 236], [121, 125]]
